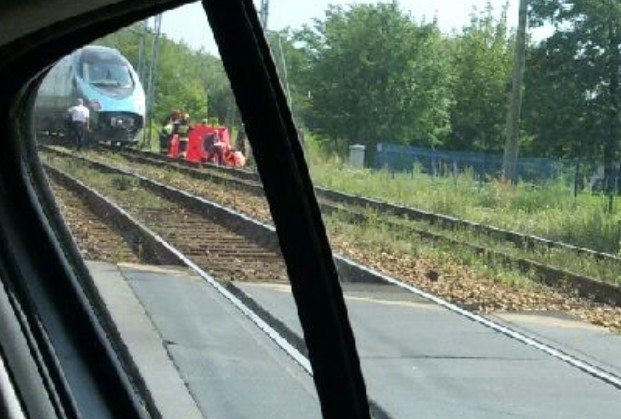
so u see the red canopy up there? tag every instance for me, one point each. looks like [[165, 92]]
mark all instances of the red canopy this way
[[195, 151]]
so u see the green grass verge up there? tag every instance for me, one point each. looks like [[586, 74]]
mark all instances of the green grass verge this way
[[548, 210], [565, 259], [118, 187], [379, 238]]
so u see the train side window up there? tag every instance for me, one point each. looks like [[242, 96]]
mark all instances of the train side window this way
[[66, 84]]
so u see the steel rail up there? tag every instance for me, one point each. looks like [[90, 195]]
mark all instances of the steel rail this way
[[167, 253], [586, 286], [395, 209], [350, 270]]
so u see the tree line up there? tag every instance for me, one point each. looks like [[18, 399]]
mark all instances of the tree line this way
[[370, 73], [187, 79]]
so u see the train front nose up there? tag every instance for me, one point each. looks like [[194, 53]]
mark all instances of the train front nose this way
[[123, 121], [119, 126]]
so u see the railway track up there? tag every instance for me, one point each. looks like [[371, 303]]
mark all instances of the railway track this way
[[182, 206], [218, 244], [224, 253], [252, 183], [521, 255], [96, 237]]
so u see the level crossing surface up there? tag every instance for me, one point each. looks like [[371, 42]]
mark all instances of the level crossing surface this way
[[419, 359], [227, 366]]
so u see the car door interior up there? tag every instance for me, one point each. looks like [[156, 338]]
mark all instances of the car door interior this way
[[64, 361]]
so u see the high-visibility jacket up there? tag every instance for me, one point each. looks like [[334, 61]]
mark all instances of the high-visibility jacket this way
[[183, 129]]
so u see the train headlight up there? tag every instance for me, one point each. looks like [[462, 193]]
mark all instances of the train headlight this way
[[121, 122]]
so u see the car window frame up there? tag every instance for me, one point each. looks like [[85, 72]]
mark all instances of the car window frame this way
[[38, 243]]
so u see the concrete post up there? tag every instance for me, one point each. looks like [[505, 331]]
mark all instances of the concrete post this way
[[356, 156]]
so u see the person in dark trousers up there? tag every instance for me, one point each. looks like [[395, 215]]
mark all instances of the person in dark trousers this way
[[79, 116], [165, 137], [240, 141], [213, 146]]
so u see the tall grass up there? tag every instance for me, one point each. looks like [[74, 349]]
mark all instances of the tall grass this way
[[549, 209]]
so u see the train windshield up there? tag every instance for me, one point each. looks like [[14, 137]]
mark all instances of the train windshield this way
[[107, 73]]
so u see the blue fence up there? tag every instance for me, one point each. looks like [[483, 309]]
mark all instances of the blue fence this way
[[445, 163]]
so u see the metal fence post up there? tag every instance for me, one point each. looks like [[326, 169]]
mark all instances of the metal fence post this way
[[576, 179]]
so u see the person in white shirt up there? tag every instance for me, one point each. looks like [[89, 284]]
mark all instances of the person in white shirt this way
[[80, 116]]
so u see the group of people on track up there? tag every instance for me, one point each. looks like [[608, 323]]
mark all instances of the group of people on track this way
[[178, 123]]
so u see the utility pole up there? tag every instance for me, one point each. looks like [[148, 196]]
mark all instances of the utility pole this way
[[141, 50], [263, 15], [152, 73], [285, 74], [264, 12], [509, 165]]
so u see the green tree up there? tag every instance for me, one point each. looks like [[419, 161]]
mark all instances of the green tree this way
[[556, 113], [586, 47], [482, 64], [374, 74], [194, 81]]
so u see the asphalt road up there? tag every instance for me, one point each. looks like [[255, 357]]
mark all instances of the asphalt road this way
[[229, 367], [420, 360]]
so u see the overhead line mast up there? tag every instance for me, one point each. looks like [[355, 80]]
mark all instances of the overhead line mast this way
[[142, 32], [263, 15], [264, 12], [150, 73]]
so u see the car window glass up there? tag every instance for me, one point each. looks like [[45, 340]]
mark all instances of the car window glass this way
[[465, 158]]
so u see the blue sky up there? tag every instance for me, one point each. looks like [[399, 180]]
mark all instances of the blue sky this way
[[188, 23]]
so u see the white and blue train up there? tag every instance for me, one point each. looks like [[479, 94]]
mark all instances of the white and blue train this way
[[109, 86]]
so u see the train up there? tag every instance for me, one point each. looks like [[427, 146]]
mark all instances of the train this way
[[109, 87]]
